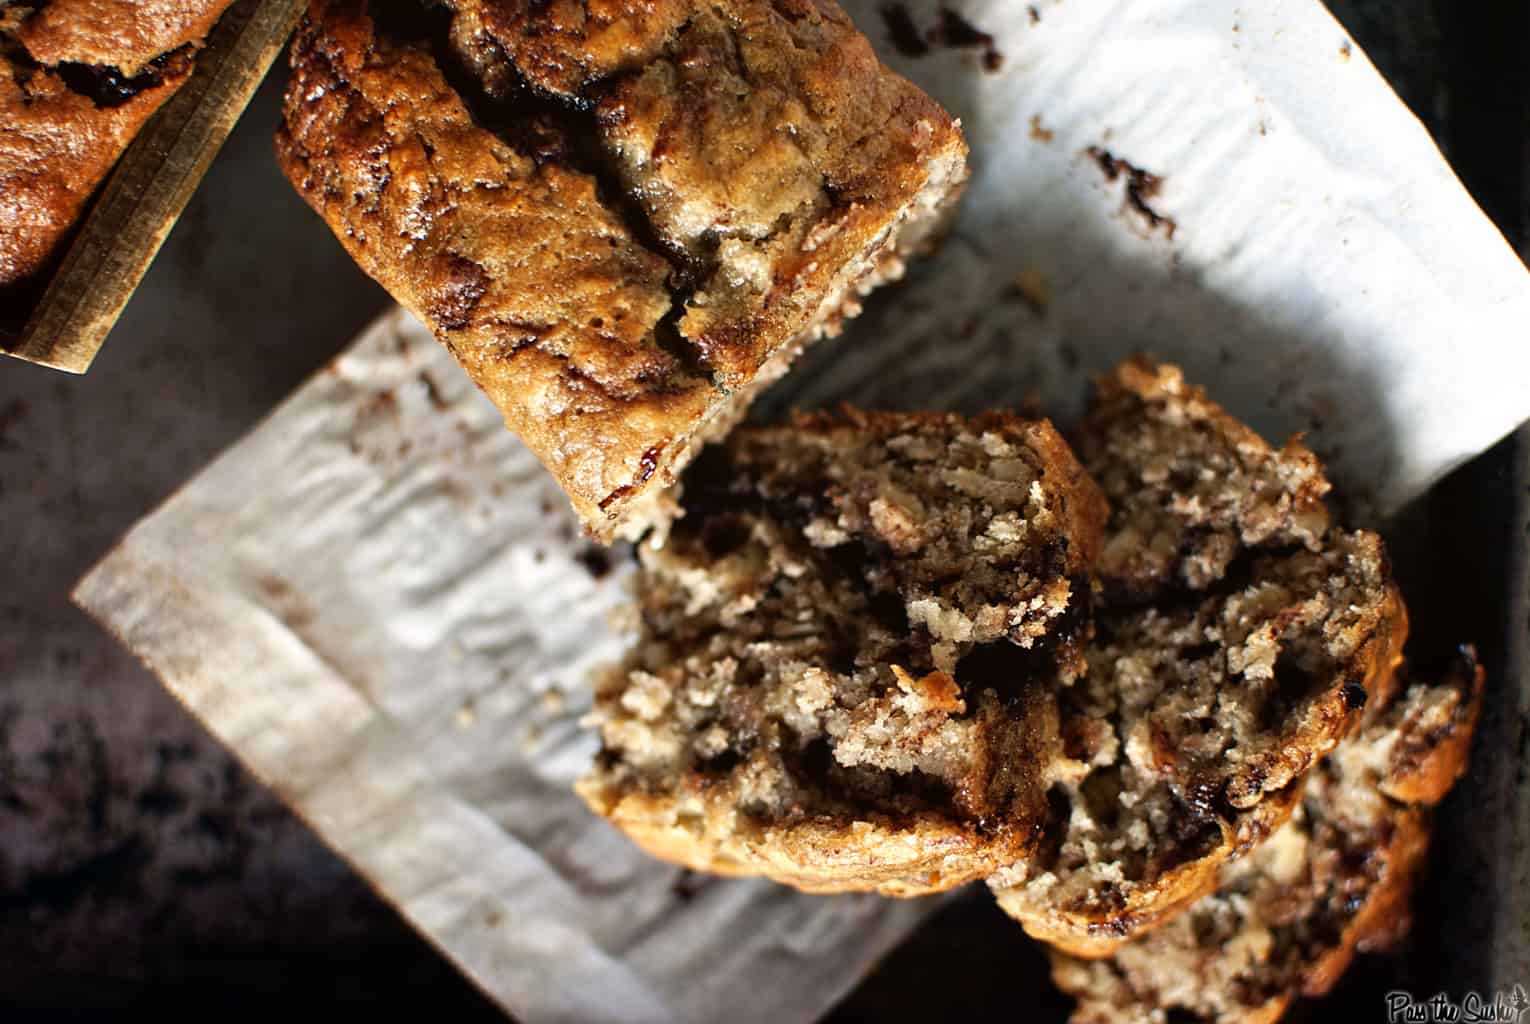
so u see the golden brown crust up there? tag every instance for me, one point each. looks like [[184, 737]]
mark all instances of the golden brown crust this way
[[613, 333], [898, 859], [110, 33], [651, 823], [517, 266], [1434, 740], [1085, 509], [80, 78], [57, 147], [562, 46], [746, 139]]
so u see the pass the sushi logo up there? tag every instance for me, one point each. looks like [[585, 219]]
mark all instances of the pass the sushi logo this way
[[1505, 1007]]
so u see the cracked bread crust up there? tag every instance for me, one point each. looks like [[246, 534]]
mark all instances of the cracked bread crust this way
[[1337, 880], [732, 126], [636, 219], [81, 77], [1237, 638], [848, 649], [534, 284], [563, 46], [111, 34]]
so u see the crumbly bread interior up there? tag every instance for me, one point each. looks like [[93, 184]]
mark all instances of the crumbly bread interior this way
[[1288, 919], [860, 618], [1237, 637], [1190, 487]]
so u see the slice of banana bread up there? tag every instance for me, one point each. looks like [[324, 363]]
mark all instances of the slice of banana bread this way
[[1238, 636], [623, 218], [80, 78], [1337, 879], [849, 651]]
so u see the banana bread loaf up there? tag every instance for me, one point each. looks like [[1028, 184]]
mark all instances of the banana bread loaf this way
[[848, 652], [1337, 879], [623, 217], [81, 78], [1238, 636]]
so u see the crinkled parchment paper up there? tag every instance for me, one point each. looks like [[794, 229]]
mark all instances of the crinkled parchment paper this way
[[1305, 252], [379, 600]]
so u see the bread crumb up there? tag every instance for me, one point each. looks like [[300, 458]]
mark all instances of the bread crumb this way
[[466, 717]]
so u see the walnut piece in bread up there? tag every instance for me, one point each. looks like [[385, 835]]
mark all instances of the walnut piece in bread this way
[[1287, 920], [1238, 636], [623, 217], [849, 647]]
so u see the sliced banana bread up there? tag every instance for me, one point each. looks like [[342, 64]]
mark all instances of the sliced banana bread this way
[[1238, 636], [78, 79], [623, 217], [850, 647], [1337, 879]]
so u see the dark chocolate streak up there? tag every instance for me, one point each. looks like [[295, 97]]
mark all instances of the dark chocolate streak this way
[[103, 85], [109, 87], [558, 129]]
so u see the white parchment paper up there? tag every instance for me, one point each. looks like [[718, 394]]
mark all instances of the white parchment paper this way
[[381, 602], [1326, 271], [378, 599]]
